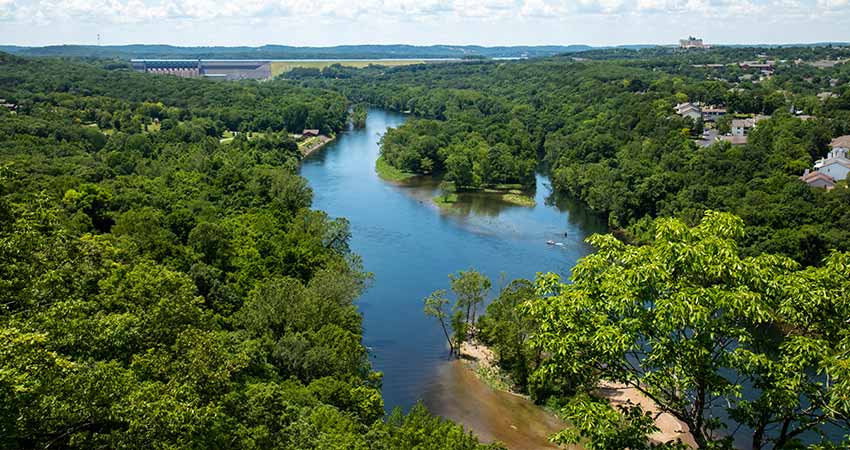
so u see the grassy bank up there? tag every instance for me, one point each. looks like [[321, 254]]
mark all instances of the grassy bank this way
[[519, 200], [390, 173], [445, 201], [449, 201]]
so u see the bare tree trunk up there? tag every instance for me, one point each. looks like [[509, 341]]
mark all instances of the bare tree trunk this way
[[448, 339], [474, 313]]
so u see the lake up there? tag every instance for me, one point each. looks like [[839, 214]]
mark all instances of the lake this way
[[411, 246]]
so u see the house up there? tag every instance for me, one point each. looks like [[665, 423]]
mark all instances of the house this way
[[689, 110], [841, 142], [711, 114], [765, 66], [818, 179], [742, 127], [836, 164], [310, 132], [9, 106]]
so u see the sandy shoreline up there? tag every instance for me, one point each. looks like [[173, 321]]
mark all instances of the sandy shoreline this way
[[670, 428]]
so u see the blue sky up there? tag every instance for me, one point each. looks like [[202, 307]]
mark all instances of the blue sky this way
[[421, 22]]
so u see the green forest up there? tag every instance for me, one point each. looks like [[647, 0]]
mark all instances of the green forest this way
[[165, 282], [160, 289], [723, 294], [747, 352], [604, 128]]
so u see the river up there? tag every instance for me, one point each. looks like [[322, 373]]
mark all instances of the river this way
[[411, 246]]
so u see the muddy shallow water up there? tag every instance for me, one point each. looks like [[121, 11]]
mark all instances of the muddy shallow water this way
[[494, 415]]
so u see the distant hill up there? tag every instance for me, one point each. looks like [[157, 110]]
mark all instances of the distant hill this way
[[289, 52], [12, 48]]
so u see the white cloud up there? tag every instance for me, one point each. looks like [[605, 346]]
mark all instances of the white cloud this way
[[366, 20], [541, 9], [832, 5]]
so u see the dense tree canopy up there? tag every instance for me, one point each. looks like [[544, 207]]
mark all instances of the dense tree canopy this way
[[602, 125], [161, 289], [738, 348]]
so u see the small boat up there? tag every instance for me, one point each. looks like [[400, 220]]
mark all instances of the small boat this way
[[550, 242], [559, 244]]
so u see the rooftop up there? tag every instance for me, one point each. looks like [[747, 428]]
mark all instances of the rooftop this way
[[810, 177], [743, 123], [841, 141]]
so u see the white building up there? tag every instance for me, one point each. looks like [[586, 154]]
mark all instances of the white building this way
[[742, 127], [836, 164], [689, 110]]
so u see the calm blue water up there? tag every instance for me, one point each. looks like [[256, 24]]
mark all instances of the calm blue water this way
[[411, 247]]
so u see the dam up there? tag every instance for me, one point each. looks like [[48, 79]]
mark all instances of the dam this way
[[224, 69]]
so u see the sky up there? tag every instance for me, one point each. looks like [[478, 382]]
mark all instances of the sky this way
[[421, 22]]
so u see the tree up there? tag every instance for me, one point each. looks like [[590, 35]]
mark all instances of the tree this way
[[506, 329], [435, 306], [471, 288], [358, 115], [683, 321], [802, 379], [446, 188]]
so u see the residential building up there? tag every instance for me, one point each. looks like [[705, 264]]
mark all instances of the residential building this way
[[818, 179], [689, 110], [836, 164], [765, 66], [711, 114], [742, 127], [841, 142], [310, 132]]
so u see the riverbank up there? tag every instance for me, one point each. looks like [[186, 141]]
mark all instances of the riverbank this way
[[482, 361], [493, 415], [391, 222], [390, 173], [669, 428], [313, 144], [445, 201]]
